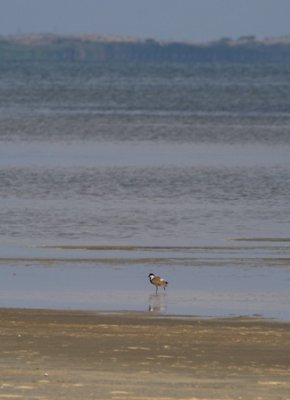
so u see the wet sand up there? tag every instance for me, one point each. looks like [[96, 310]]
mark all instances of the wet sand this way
[[81, 355]]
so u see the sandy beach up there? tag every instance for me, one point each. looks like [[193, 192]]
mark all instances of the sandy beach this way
[[79, 355]]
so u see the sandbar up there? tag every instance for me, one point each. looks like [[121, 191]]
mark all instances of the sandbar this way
[[48, 354]]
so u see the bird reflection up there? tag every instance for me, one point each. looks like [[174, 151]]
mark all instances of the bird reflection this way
[[157, 303]]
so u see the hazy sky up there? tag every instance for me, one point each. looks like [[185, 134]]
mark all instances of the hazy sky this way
[[197, 20]]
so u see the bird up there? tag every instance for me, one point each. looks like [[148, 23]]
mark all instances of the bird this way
[[157, 281]]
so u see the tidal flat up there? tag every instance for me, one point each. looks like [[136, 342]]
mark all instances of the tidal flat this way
[[49, 354]]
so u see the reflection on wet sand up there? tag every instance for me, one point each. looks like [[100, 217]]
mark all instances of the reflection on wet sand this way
[[157, 302]]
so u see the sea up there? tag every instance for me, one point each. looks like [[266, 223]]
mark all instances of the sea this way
[[109, 172]]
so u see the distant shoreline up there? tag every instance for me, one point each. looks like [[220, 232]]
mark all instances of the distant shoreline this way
[[99, 48]]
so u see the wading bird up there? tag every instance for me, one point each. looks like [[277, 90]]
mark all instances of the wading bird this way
[[157, 281]]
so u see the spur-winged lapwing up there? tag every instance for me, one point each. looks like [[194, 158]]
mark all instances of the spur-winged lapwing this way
[[157, 281]]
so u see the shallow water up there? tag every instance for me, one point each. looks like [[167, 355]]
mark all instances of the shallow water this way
[[212, 281], [163, 165]]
